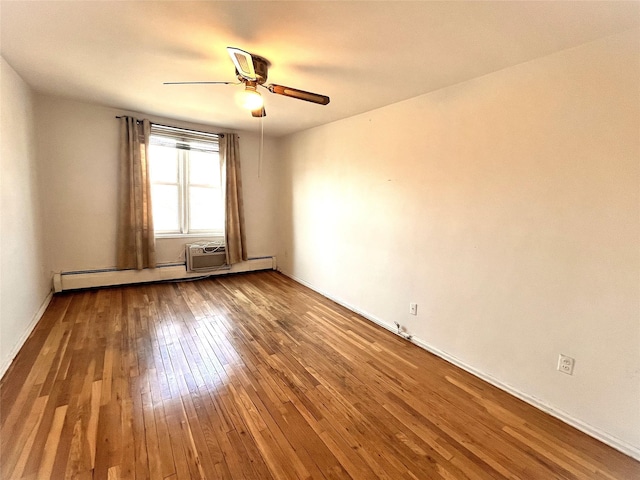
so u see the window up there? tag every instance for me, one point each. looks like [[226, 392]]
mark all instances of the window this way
[[186, 186]]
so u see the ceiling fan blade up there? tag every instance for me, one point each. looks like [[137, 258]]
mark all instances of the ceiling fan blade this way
[[261, 112], [299, 94], [201, 83], [243, 62]]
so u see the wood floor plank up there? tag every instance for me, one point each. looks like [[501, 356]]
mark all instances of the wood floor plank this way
[[15, 455], [256, 377], [52, 443]]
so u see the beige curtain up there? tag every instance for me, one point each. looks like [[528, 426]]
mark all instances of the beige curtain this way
[[235, 241], [136, 241]]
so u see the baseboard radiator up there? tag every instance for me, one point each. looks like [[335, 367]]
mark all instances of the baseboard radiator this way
[[204, 267]]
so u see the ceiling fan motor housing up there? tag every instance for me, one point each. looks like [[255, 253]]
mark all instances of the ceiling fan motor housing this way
[[261, 67]]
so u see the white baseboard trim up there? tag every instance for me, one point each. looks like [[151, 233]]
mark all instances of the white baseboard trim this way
[[620, 445], [110, 277], [6, 362]]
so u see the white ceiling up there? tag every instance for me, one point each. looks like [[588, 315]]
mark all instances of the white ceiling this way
[[362, 54]]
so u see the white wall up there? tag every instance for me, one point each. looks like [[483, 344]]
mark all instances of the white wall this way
[[78, 145], [24, 283], [507, 208]]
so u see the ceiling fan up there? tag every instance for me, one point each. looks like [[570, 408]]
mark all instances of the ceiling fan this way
[[252, 71]]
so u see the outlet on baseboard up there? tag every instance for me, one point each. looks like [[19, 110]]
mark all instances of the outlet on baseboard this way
[[565, 364]]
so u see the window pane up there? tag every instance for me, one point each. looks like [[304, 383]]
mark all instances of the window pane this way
[[205, 209], [163, 164], [165, 208], [204, 168]]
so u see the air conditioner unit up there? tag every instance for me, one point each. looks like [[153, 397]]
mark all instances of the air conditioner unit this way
[[205, 257]]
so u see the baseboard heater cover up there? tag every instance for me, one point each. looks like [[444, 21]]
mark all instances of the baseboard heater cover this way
[[109, 277]]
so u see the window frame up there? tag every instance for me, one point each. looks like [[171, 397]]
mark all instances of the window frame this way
[[185, 140]]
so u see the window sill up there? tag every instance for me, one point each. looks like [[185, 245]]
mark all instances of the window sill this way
[[189, 235]]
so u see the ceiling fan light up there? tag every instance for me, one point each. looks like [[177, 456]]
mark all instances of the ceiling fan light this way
[[251, 99]]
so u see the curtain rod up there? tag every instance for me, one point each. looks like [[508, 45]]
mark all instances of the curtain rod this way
[[221, 135]]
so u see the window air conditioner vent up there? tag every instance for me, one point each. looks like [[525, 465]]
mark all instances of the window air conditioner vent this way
[[205, 257]]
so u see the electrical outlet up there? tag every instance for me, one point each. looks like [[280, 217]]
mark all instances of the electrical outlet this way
[[413, 308], [565, 364]]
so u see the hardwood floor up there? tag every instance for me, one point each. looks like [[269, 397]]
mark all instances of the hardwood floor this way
[[256, 377]]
